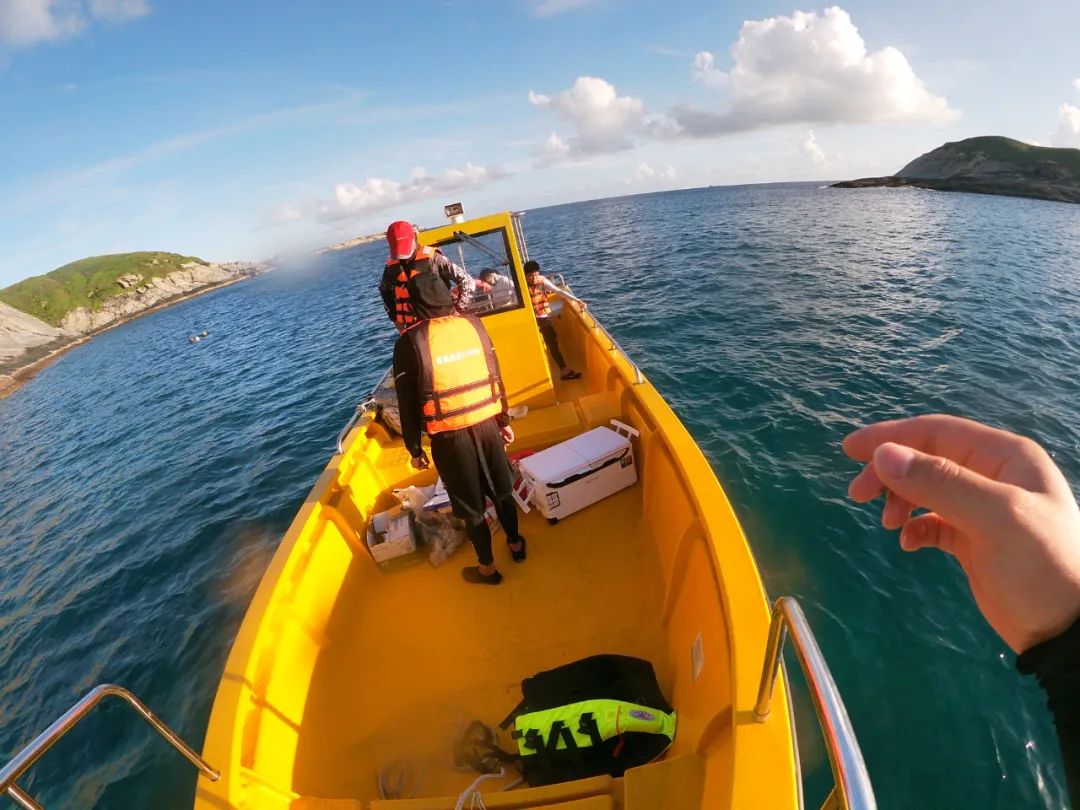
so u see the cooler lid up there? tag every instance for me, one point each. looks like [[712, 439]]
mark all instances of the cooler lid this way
[[553, 464], [598, 443], [565, 459]]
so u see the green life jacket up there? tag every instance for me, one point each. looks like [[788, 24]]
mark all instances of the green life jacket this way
[[588, 723], [597, 715]]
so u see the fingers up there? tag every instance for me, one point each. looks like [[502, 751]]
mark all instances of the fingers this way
[[865, 486], [968, 501], [978, 446], [929, 531], [896, 511]]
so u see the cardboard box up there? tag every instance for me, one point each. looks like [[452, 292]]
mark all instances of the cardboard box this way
[[390, 535]]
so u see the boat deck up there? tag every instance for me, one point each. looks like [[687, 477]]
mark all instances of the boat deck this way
[[411, 656]]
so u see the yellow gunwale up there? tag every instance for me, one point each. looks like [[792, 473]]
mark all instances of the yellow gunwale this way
[[746, 763]]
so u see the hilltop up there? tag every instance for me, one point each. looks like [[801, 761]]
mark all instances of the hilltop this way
[[45, 315], [990, 165], [89, 283]]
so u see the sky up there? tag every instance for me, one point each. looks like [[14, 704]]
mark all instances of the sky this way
[[243, 130]]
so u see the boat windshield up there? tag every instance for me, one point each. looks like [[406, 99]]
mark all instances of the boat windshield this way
[[486, 257]]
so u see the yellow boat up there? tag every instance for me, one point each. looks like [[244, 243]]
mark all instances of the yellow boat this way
[[345, 671]]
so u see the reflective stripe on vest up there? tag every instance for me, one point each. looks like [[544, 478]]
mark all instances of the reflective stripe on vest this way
[[589, 722], [538, 295], [406, 269], [460, 386]]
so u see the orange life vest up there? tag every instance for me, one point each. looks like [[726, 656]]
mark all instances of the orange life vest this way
[[404, 317], [460, 384], [538, 295]]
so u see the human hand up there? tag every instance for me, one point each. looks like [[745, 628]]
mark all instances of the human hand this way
[[420, 462], [999, 504], [507, 434]]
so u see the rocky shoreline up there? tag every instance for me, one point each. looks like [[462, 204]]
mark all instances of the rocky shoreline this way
[[28, 345], [989, 165], [1002, 186]]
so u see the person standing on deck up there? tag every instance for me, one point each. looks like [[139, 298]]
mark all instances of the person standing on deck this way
[[538, 290], [448, 383], [409, 258]]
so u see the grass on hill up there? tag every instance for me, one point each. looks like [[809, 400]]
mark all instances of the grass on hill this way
[[86, 283], [1018, 152]]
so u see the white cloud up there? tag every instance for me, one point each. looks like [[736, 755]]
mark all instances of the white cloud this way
[[284, 214], [373, 194], [812, 68], [1076, 84], [118, 10], [705, 70], [549, 8], [603, 121], [26, 22], [813, 151], [644, 173], [664, 50], [555, 150], [1068, 133]]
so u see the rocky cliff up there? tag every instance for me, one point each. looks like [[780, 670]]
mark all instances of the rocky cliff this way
[[20, 332], [990, 165], [140, 295]]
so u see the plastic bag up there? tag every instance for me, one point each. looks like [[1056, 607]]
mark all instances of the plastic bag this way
[[442, 533], [414, 498]]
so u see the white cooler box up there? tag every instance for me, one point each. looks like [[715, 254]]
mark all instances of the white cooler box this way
[[577, 473]]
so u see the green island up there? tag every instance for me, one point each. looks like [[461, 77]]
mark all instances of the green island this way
[[88, 283], [43, 316], [989, 165]]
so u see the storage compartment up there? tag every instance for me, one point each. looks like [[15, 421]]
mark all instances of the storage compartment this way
[[576, 473]]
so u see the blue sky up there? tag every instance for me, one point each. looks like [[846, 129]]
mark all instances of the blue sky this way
[[238, 130]]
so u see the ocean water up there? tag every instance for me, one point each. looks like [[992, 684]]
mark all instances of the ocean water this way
[[146, 482]]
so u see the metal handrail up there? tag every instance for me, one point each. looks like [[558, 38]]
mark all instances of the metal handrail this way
[[564, 291], [519, 232], [852, 789], [30, 754], [360, 410]]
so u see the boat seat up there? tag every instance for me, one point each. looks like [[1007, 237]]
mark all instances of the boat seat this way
[[545, 426], [674, 784], [599, 409]]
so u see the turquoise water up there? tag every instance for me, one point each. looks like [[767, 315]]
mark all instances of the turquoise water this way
[[147, 481]]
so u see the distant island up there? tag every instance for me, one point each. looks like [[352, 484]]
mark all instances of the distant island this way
[[42, 316], [989, 165], [350, 243]]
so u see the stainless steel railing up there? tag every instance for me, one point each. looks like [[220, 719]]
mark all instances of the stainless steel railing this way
[[519, 232], [360, 409], [23, 760], [852, 790], [564, 291]]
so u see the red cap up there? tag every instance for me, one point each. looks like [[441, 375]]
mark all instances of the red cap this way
[[402, 238]]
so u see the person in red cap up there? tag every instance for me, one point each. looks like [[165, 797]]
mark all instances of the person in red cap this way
[[407, 259]]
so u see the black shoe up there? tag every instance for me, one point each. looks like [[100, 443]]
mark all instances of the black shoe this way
[[472, 575], [519, 555]]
